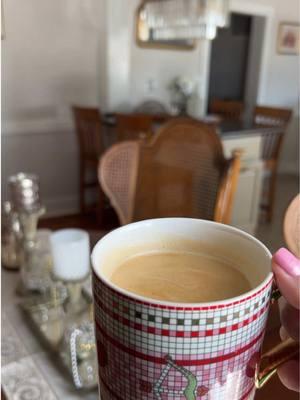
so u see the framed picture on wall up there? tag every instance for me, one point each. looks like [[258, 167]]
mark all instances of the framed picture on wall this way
[[288, 41]]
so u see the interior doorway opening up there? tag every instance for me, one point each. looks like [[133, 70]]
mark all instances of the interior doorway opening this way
[[235, 62]]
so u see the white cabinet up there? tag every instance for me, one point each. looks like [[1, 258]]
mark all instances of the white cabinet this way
[[247, 199]]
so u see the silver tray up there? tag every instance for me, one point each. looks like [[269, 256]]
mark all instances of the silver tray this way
[[55, 325]]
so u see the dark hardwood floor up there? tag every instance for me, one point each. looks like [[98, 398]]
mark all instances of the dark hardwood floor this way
[[87, 222]]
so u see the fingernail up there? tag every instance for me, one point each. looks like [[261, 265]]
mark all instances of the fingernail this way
[[287, 261]]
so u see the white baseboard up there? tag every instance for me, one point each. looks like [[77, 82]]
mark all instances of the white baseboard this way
[[66, 205]]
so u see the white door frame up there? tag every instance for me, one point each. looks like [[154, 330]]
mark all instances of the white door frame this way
[[249, 8]]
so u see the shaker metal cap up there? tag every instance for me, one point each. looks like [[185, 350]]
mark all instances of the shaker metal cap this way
[[24, 191]]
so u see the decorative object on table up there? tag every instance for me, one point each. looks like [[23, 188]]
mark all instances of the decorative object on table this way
[[24, 191], [288, 40], [277, 119], [69, 336], [71, 263], [196, 107], [181, 89], [10, 237], [35, 262], [88, 123], [191, 177], [79, 353], [291, 226], [177, 20], [87, 288], [151, 107]]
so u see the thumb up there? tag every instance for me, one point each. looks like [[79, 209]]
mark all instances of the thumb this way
[[286, 268]]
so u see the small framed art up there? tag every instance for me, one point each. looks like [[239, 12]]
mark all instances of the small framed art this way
[[288, 41]]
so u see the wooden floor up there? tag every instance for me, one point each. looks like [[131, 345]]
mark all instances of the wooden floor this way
[[87, 222]]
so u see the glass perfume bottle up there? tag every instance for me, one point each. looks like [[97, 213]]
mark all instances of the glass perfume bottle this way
[[10, 237]]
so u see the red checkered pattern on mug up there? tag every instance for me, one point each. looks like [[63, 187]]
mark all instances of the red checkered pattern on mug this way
[[159, 352]]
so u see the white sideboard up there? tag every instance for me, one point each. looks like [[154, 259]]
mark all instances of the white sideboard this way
[[247, 198]]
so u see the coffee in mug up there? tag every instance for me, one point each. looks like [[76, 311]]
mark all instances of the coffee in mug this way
[[179, 276]]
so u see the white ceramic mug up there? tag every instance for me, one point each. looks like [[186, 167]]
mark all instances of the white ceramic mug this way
[[150, 349]]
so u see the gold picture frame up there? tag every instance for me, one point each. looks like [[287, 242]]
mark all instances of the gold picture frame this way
[[144, 40], [288, 38]]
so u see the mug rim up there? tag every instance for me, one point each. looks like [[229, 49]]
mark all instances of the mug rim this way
[[173, 304]]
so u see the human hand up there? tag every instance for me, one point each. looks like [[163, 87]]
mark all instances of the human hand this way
[[286, 268]]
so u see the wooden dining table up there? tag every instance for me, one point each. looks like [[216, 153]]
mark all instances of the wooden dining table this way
[[29, 369], [225, 128]]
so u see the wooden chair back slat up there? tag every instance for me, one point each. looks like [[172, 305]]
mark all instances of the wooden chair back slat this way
[[277, 118], [230, 110], [88, 126], [272, 117], [89, 131]]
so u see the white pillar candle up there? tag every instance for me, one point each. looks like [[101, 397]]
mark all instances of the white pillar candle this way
[[71, 254]]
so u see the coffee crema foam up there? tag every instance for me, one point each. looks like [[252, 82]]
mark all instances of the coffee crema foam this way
[[183, 277]]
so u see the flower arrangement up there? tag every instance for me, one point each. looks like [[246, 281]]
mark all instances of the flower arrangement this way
[[181, 89]]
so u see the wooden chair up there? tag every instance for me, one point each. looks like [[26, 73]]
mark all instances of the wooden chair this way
[[230, 109], [133, 126], [89, 132], [272, 143], [180, 172]]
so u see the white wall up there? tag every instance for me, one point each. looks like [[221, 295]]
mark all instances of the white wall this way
[[152, 70], [50, 60], [50, 57], [283, 76], [158, 67], [130, 68], [57, 53]]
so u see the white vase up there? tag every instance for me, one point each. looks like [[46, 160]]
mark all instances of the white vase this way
[[195, 106]]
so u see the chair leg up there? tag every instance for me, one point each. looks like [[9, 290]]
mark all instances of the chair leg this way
[[82, 192], [271, 195], [100, 207]]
